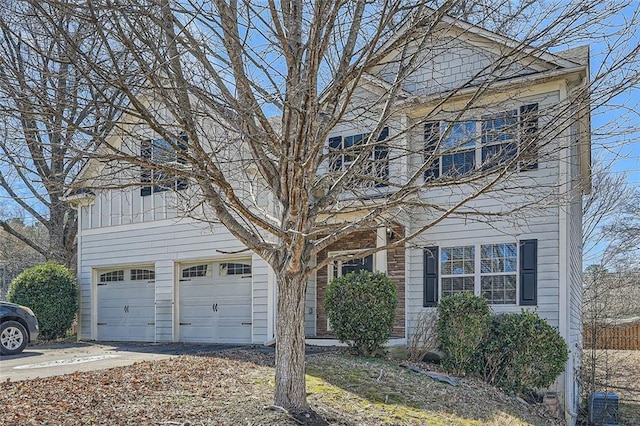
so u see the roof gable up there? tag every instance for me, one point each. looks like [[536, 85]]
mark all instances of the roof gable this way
[[453, 54]]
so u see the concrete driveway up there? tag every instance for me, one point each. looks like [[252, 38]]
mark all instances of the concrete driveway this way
[[56, 360]]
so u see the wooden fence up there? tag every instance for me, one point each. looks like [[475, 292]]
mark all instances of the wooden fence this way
[[624, 336]]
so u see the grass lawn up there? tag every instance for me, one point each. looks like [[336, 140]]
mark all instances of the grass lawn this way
[[236, 388]]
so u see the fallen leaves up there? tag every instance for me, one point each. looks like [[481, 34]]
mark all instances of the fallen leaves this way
[[232, 388]]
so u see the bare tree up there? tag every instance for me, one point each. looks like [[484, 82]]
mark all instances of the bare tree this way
[[49, 115], [247, 94], [611, 300], [611, 224], [15, 256]]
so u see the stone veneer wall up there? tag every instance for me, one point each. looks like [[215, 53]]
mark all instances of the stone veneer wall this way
[[395, 270]]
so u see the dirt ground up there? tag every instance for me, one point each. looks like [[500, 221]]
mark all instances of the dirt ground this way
[[236, 388], [619, 372]]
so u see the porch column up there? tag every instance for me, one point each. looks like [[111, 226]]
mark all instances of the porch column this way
[[380, 263]]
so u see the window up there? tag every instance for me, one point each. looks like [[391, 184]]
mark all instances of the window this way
[[344, 152], [458, 269], [457, 148], [343, 267], [162, 152], [112, 276], [504, 273], [143, 274], [235, 269], [195, 271], [498, 269]]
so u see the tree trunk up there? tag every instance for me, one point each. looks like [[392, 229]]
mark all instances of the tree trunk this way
[[290, 364]]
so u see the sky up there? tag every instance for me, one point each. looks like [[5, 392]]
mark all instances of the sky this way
[[622, 114], [616, 127]]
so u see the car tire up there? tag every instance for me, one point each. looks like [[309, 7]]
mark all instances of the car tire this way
[[13, 338]]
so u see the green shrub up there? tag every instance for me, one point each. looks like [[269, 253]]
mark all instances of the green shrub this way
[[51, 291], [523, 353], [361, 308], [463, 322]]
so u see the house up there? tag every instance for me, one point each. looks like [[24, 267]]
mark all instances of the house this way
[[152, 270]]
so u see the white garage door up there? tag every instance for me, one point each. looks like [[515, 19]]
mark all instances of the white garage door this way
[[215, 302], [126, 310]]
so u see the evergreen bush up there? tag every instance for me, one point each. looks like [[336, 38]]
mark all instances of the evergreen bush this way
[[463, 323], [51, 291], [361, 308], [523, 353]]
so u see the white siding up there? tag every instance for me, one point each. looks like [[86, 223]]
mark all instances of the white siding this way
[[163, 244], [534, 194], [260, 295], [574, 340], [310, 308], [450, 62]]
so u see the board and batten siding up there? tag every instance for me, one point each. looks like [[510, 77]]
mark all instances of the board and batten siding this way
[[113, 207], [163, 244]]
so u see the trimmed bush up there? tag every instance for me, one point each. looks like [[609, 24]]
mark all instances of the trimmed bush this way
[[523, 353], [51, 291], [463, 323], [361, 308]]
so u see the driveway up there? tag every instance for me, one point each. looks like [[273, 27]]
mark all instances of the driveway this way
[[56, 360]]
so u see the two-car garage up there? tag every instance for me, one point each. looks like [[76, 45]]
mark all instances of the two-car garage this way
[[213, 303]]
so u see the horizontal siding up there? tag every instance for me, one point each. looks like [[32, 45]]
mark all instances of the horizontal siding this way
[[163, 245], [259, 296], [164, 300], [455, 232], [310, 307], [84, 283]]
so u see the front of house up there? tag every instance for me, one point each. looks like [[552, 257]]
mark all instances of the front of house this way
[[149, 273]]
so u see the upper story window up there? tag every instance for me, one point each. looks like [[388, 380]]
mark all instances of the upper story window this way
[[162, 152], [457, 148], [344, 152]]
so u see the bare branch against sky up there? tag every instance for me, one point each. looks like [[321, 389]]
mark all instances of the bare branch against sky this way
[[248, 95]]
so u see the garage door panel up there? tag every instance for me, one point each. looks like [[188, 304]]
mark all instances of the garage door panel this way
[[126, 309], [230, 332], [215, 308]]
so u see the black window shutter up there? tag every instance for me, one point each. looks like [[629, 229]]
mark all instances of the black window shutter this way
[[383, 134], [335, 144], [431, 138], [145, 174], [528, 272], [430, 276], [381, 160], [181, 182], [529, 134]]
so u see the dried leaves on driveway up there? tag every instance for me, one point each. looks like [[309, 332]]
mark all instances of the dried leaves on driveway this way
[[234, 387]]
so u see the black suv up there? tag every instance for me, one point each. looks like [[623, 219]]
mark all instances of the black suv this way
[[18, 326]]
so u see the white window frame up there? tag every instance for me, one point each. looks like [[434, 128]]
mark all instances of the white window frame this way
[[207, 273], [477, 270], [476, 140], [349, 155]]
